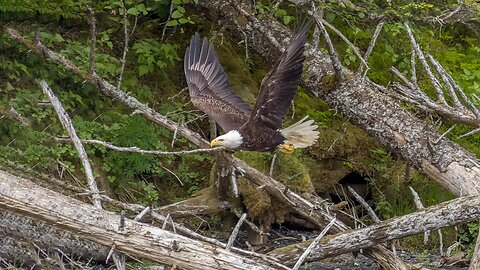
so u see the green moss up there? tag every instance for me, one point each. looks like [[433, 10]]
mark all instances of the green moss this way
[[261, 206], [233, 61], [288, 169]]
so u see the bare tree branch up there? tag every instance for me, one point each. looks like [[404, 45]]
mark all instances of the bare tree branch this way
[[423, 60], [93, 41], [376, 34], [349, 43], [143, 151], [82, 154], [331, 49], [446, 81], [235, 231], [312, 245], [125, 45], [365, 205]]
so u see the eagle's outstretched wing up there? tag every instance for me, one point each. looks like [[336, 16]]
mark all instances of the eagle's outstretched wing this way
[[208, 86], [280, 84]]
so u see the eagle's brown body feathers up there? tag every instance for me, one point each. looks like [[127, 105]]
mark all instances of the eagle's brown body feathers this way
[[258, 128]]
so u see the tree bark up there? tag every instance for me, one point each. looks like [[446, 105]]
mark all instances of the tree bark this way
[[303, 207], [451, 213], [24, 197], [362, 102], [44, 236], [312, 211]]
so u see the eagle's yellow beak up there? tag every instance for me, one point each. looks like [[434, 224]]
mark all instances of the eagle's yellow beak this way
[[286, 148], [216, 142]]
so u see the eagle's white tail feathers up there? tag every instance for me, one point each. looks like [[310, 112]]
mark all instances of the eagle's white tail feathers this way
[[301, 134]]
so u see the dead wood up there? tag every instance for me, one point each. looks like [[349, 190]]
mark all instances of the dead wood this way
[[26, 198], [306, 209], [363, 102], [20, 235], [450, 213], [203, 203]]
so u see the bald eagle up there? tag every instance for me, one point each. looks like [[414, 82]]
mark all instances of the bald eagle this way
[[257, 129]]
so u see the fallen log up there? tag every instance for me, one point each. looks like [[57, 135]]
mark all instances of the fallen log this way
[[45, 237], [363, 102], [306, 209], [26, 198], [450, 213]]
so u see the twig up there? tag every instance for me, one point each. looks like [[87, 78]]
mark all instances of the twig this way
[[337, 66], [67, 124], [110, 253], [235, 231], [475, 131], [440, 240], [142, 214], [125, 46], [119, 260], [378, 29], [455, 11], [443, 74], [233, 179], [464, 97], [419, 204], [423, 60], [365, 205], [174, 137], [249, 223], [93, 41], [172, 173], [23, 120], [313, 244], [142, 151], [444, 134], [349, 43], [165, 221], [168, 19], [414, 69], [272, 164]]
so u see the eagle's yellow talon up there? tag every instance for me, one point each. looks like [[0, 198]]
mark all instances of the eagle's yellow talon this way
[[286, 148]]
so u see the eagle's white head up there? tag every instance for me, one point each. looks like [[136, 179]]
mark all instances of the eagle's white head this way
[[232, 139]]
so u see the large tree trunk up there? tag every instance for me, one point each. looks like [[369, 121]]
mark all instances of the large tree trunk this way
[[363, 103], [24, 197]]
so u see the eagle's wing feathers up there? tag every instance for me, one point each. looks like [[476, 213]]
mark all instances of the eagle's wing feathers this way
[[208, 86], [279, 86]]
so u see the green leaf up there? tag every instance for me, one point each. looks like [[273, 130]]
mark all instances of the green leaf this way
[[143, 69], [181, 9], [177, 2], [287, 19], [361, 15], [133, 11], [141, 8], [183, 21], [172, 23], [177, 14], [281, 12]]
